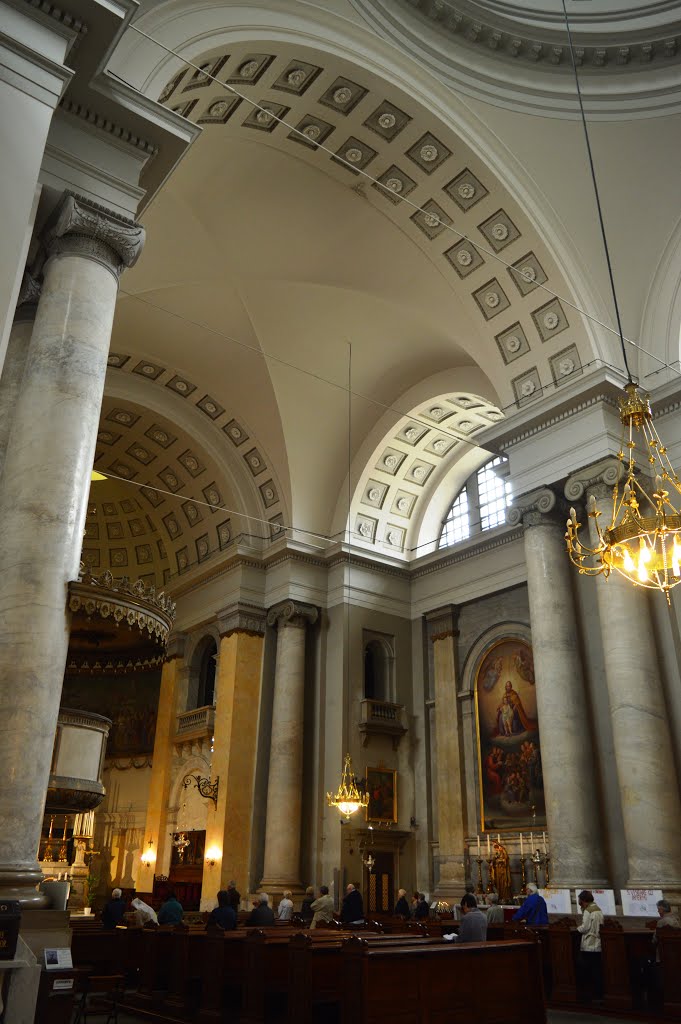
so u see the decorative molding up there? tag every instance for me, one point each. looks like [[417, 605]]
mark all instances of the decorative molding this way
[[84, 113], [29, 292], [564, 414], [605, 473], [175, 646], [122, 600], [59, 14], [442, 623], [80, 226], [534, 508], [482, 546], [242, 618], [292, 613]]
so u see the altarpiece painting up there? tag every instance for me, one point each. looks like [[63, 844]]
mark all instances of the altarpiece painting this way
[[509, 747]]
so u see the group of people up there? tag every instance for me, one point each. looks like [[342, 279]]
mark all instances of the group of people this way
[[418, 909]]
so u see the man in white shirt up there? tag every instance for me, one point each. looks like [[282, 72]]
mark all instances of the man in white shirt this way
[[590, 946]]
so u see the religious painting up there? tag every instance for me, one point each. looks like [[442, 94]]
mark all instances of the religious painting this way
[[130, 701], [509, 748], [381, 786]]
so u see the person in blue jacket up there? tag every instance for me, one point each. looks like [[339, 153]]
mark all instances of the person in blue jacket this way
[[533, 910]]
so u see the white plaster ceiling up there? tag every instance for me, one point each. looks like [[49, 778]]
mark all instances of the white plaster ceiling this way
[[265, 257]]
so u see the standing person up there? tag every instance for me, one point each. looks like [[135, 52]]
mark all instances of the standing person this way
[[306, 911], [422, 910], [495, 914], [285, 908], [322, 908], [533, 910], [171, 911], [112, 914], [352, 910], [262, 913], [590, 947], [401, 907], [223, 915], [473, 927], [234, 896], [667, 919]]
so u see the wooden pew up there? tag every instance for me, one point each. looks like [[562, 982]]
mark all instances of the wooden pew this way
[[442, 982], [669, 940], [615, 961], [561, 942], [222, 976]]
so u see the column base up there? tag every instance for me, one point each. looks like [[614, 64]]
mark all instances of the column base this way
[[452, 883], [20, 882]]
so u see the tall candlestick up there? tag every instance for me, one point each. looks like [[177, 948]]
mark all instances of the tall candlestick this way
[[489, 847], [522, 851], [543, 839], [499, 838], [478, 846], [531, 842]]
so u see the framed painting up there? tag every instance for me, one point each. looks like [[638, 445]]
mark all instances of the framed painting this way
[[509, 746], [382, 789]]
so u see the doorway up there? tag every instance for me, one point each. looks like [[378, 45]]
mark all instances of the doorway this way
[[379, 884]]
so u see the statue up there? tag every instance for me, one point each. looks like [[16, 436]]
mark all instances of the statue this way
[[501, 873]]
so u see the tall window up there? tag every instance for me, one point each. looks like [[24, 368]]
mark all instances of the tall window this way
[[480, 505], [206, 692]]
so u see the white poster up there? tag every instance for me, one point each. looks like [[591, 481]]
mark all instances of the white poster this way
[[605, 898], [557, 900], [640, 902]]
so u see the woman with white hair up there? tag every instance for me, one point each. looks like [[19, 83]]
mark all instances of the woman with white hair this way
[[112, 914], [533, 910], [285, 908]]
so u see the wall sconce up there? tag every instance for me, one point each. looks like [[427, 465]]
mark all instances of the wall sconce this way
[[148, 857], [212, 854]]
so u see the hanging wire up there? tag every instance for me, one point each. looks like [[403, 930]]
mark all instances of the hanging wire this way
[[594, 182]]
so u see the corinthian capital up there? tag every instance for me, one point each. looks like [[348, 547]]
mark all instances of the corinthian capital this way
[[291, 613], [597, 479], [81, 227], [536, 508]]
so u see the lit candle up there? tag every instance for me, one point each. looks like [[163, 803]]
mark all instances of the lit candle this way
[[499, 838], [522, 851], [478, 847], [489, 848], [543, 839]]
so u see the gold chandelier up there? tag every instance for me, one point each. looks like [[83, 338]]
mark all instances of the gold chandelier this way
[[643, 540], [348, 798]]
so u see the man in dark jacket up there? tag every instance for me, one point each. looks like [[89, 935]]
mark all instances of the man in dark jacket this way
[[234, 896], [262, 914], [223, 915], [421, 910], [114, 910], [352, 910], [533, 910], [401, 907]]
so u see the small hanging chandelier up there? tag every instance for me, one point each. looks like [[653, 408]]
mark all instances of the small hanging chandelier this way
[[643, 540], [180, 842], [348, 798]]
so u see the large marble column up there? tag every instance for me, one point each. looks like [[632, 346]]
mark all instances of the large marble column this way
[[15, 358], [43, 503], [285, 780], [229, 825], [649, 791], [451, 825], [570, 778]]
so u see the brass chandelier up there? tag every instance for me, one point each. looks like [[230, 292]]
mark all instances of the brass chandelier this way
[[643, 540], [348, 798]]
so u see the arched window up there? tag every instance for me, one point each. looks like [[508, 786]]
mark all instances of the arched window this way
[[480, 505], [378, 662], [206, 691]]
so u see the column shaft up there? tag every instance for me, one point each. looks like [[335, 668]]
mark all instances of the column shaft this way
[[285, 780], [570, 779], [12, 374], [651, 808]]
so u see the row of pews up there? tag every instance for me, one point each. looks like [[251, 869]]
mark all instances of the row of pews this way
[[255, 976]]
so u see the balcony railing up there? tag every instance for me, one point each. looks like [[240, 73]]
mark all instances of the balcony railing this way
[[199, 722], [380, 717]]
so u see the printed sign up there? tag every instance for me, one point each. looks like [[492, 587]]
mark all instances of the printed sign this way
[[58, 959], [605, 898], [60, 984], [640, 902], [557, 900]]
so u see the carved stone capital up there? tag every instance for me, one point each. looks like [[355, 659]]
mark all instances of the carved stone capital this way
[[83, 228], [442, 623], [291, 613], [27, 302], [241, 618], [537, 508], [597, 479]]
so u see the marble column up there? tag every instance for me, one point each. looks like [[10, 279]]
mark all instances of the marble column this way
[[649, 791], [43, 503], [451, 825], [15, 358], [285, 780], [570, 777], [155, 829], [229, 825]]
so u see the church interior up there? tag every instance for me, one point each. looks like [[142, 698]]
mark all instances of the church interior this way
[[340, 394]]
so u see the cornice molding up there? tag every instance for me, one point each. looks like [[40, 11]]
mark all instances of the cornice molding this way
[[124, 135], [604, 398], [503, 536], [241, 618]]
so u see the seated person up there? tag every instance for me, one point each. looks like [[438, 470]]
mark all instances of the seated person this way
[[222, 916], [306, 911], [261, 914], [144, 914], [352, 911], [495, 914], [533, 910], [421, 910], [322, 908], [171, 911], [112, 914], [667, 919], [401, 907], [473, 927], [285, 908]]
